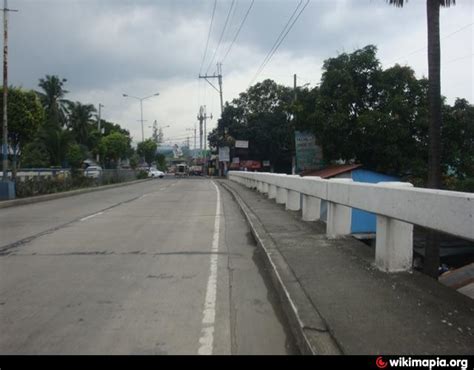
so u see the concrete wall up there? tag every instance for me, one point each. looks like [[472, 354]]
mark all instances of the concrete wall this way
[[398, 206]]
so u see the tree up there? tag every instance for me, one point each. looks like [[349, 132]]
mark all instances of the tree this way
[[261, 115], [435, 121], [372, 116], [147, 149], [75, 156], [458, 140], [115, 146], [56, 141], [25, 115], [35, 155], [81, 121], [52, 98]]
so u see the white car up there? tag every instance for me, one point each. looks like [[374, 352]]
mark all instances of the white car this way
[[93, 171], [153, 172]]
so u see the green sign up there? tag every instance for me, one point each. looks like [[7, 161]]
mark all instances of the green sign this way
[[309, 156]]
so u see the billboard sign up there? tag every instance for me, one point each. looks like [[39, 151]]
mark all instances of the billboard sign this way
[[224, 154], [309, 156], [244, 144]]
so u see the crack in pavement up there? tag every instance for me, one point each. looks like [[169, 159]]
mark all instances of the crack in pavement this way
[[4, 250]]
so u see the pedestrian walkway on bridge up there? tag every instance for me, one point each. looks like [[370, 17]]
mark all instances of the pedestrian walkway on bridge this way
[[339, 302]]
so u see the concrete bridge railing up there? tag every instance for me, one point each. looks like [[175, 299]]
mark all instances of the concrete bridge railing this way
[[397, 206]]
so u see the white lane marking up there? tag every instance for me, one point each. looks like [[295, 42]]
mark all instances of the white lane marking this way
[[88, 217], [209, 314]]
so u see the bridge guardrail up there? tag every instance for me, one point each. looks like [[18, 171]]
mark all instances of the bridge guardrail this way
[[397, 206]]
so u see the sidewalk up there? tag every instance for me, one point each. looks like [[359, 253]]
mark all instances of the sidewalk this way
[[338, 302]]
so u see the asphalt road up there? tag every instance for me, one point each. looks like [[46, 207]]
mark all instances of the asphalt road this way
[[160, 267]]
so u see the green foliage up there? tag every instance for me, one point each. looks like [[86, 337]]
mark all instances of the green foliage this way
[[261, 115], [25, 115], [115, 146], [160, 160], [81, 121], [147, 150], [56, 142], [134, 160], [35, 155], [52, 98], [458, 139], [142, 175], [75, 156], [46, 185], [372, 116]]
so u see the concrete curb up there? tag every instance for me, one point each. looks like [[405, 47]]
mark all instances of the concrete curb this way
[[65, 194], [309, 329]]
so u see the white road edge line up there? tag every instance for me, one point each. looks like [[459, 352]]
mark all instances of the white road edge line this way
[[88, 217], [209, 314]]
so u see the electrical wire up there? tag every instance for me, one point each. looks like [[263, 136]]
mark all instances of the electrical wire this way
[[222, 35], [238, 31], [208, 36], [280, 38]]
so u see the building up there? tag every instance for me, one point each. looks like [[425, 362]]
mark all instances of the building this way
[[362, 222]]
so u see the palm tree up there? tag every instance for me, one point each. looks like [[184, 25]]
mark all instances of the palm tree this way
[[434, 109], [52, 98], [80, 121]]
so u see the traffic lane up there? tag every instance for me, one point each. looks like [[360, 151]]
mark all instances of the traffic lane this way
[[130, 280], [18, 223]]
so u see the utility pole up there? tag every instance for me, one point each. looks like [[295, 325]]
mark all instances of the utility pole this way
[[202, 117], [219, 80], [293, 157], [5, 88], [98, 127]]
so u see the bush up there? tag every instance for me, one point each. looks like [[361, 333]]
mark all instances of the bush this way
[[50, 185], [142, 175]]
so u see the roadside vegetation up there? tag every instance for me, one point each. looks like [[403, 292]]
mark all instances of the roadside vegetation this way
[[359, 112]]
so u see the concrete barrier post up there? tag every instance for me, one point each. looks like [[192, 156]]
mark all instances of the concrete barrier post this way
[[293, 200], [394, 245], [259, 186], [265, 188], [281, 195], [272, 191], [338, 220], [311, 208], [394, 240]]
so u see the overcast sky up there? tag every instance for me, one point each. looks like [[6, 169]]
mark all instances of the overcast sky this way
[[109, 47]]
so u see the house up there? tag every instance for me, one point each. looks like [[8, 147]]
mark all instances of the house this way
[[362, 222]]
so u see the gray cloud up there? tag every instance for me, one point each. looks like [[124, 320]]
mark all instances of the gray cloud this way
[[108, 47]]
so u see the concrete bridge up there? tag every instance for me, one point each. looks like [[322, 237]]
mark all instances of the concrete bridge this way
[[397, 205]]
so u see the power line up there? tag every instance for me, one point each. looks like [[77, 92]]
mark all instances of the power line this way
[[276, 41], [208, 36], [275, 48], [425, 47], [460, 58], [238, 31], [222, 35]]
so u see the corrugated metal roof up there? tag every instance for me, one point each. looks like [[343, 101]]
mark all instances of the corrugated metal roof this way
[[332, 171]]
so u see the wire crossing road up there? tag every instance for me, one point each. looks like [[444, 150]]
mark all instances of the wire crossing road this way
[[160, 267]]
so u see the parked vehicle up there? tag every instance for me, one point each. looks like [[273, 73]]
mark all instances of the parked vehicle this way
[[153, 172], [182, 170], [195, 171], [93, 171]]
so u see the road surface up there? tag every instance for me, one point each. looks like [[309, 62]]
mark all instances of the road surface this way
[[160, 267]]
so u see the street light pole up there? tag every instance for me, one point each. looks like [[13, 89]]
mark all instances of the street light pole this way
[[141, 108]]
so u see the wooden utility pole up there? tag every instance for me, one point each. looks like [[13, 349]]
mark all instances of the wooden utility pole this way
[[5, 89]]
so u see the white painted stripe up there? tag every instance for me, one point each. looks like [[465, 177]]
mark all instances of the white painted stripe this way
[[88, 217], [206, 341]]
